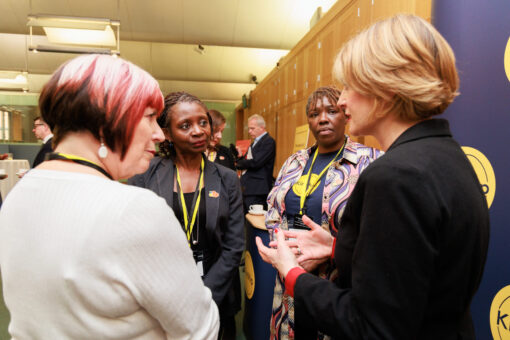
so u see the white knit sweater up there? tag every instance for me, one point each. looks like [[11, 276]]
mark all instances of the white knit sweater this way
[[83, 257]]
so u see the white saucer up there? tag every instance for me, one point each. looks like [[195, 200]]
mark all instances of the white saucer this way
[[263, 212]]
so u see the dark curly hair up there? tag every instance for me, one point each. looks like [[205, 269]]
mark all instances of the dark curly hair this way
[[330, 92]]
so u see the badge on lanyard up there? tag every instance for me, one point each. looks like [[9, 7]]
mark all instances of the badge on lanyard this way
[[310, 187], [298, 223], [198, 255]]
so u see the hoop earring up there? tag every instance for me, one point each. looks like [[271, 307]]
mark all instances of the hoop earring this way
[[103, 151]]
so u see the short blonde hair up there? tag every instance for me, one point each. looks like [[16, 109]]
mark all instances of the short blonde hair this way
[[404, 63]]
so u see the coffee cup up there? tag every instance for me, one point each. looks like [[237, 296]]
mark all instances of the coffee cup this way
[[256, 208]]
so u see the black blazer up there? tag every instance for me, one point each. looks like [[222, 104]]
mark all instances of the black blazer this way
[[411, 248], [45, 148], [258, 179], [224, 225], [225, 157]]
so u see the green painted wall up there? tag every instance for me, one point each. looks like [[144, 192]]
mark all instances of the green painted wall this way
[[23, 99], [228, 110]]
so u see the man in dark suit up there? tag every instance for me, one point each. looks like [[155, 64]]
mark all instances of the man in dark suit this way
[[42, 131], [257, 164]]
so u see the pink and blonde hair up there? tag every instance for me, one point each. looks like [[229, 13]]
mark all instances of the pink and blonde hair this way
[[101, 94]]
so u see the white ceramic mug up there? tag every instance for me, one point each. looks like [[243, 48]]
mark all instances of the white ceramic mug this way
[[256, 208]]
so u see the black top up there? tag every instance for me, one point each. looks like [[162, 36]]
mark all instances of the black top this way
[[258, 178], [224, 157], [224, 224], [199, 234], [313, 204], [40, 157], [411, 248]]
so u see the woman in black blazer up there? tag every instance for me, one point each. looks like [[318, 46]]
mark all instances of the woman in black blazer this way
[[194, 188], [412, 241], [216, 152]]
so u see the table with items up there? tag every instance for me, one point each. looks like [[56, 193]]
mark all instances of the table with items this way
[[9, 169]]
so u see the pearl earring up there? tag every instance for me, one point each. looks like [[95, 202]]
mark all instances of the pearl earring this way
[[103, 151]]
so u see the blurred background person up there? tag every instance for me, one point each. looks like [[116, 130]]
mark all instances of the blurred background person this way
[[2, 177], [206, 199], [315, 182], [413, 240], [216, 152], [42, 132], [257, 164], [81, 255]]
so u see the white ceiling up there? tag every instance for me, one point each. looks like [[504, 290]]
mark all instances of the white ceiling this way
[[241, 38]]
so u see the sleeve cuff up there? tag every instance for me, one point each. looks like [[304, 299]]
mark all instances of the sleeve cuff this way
[[290, 279], [332, 256]]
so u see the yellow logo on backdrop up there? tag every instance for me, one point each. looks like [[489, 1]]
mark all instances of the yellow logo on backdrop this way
[[500, 315], [484, 171], [507, 59], [249, 275]]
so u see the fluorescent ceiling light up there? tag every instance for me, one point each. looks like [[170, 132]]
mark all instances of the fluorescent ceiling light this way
[[75, 31], [13, 81], [72, 49], [74, 36]]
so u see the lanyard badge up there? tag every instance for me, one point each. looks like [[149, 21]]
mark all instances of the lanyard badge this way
[[189, 221], [298, 218]]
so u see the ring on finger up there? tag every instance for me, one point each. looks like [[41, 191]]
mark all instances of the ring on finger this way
[[299, 251]]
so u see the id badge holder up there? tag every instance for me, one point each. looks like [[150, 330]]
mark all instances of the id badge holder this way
[[298, 225], [198, 255]]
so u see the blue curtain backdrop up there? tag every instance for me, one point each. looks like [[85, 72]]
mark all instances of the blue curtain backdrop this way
[[479, 32]]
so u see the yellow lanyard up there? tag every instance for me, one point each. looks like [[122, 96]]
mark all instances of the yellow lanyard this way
[[189, 228], [77, 159], [308, 191]]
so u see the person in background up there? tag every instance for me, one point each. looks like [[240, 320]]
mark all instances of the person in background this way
[[412, 244], [315, 182], [257, 164], [216, 152], [42, 132], [2, 177], [206, 198], [93, 258]]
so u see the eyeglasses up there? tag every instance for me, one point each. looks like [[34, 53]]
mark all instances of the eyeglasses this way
[[36, 125]]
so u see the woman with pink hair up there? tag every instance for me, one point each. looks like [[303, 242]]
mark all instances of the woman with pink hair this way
[[82, 255]]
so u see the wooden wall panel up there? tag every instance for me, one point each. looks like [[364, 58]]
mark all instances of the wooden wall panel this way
[[281, 99], [300, 76], [382, 9], [347, 26], [326, 55], [311, 72], [363, 12]]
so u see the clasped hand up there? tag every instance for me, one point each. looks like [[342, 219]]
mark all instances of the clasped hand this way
[[292, 249]]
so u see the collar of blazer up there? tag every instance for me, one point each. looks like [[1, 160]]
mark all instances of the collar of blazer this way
[[212, 187]]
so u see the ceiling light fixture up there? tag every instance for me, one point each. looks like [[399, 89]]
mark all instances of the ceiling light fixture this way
[[13, 81], [67, 34]]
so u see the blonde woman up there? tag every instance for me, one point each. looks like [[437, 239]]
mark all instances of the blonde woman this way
[[413, 238]]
